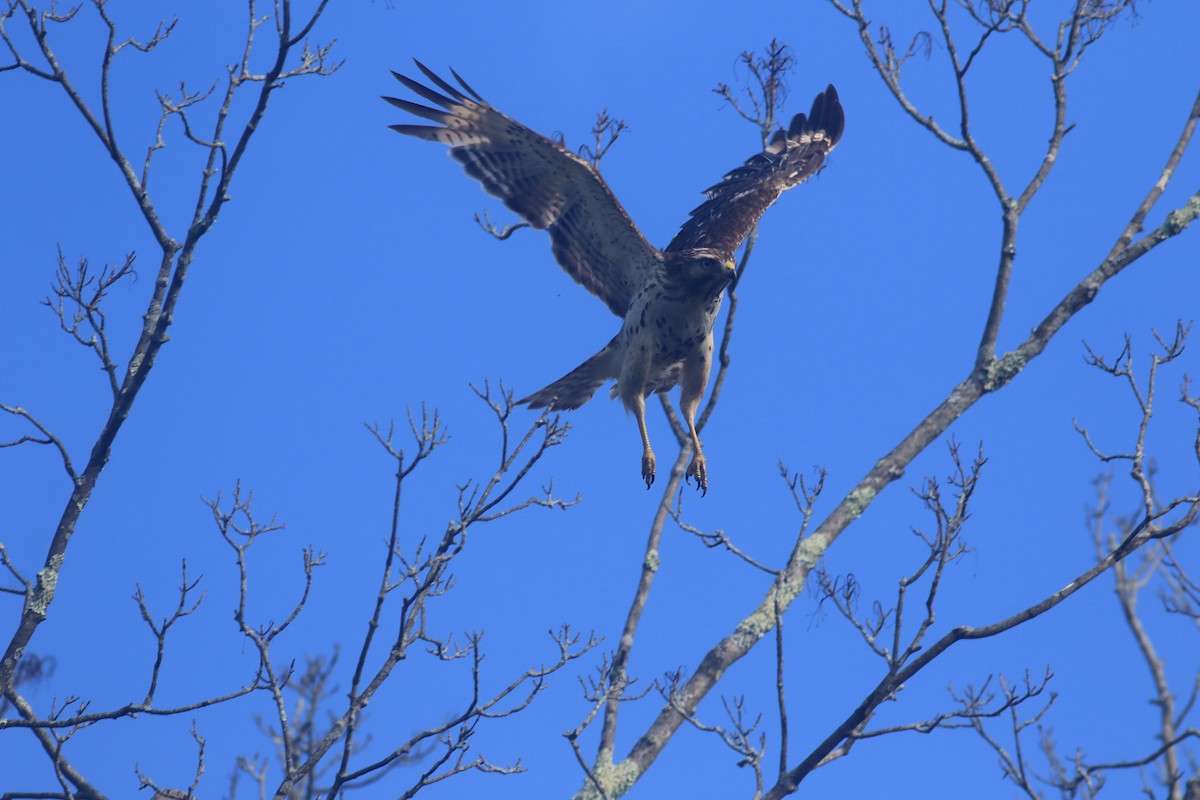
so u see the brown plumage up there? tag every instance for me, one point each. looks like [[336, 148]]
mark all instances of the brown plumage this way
[[667, 299]]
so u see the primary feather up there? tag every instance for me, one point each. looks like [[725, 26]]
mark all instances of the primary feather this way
[[553, 189]]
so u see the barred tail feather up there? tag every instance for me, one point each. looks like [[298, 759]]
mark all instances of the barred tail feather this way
[[577, 386]]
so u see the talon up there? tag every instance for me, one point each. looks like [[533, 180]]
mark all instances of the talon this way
[[648, 468], [698, 469]]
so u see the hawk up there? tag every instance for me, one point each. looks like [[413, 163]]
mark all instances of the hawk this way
[[667, 299]]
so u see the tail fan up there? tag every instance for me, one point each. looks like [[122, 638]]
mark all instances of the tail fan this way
[[577, 386]]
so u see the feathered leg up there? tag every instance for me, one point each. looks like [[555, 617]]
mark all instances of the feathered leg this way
[[691, 389], [638, 407], [631, 388]]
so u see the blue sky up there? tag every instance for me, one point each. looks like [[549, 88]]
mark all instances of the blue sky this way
[[345, 281]]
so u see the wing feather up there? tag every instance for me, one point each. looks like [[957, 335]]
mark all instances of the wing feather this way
[[422, 90], [735, 204], [417, 109], [592, 237]]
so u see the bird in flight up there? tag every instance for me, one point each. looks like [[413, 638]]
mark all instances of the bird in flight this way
[[667, 299]]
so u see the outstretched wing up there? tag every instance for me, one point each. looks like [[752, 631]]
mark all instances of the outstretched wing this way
[[735, 204], [593, 238]]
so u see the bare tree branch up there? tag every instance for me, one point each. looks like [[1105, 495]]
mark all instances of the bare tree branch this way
[[176, 257], [988, 374]]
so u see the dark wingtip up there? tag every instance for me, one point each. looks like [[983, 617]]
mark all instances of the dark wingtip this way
[[440, 82], [467, 86], [798, 124], [418, 110], [827, 114]]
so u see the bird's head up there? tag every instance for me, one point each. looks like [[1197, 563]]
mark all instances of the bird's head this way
[[700, 269]]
